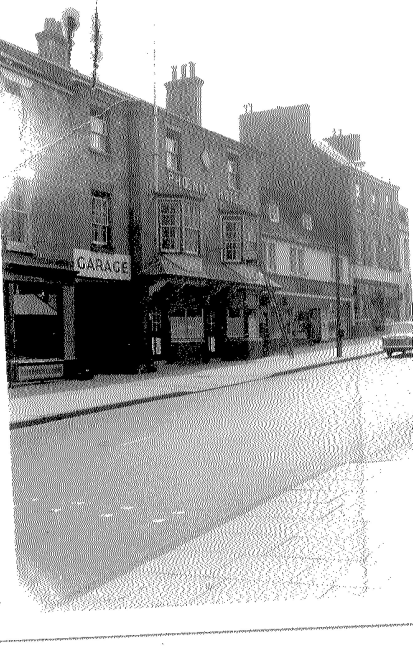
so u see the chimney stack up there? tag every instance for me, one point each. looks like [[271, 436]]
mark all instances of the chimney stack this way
[[52, 44], [183, 96], [347, 145]]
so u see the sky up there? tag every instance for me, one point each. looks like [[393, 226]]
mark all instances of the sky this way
[[350, 61]]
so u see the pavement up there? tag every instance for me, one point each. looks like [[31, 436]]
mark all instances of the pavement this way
[[34, 404]]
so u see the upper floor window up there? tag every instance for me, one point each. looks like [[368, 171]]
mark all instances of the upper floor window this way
[[172, 151], [374, 201], [250, 238], [231, 239], [274, 212], [191, 227], [297, 266], [101, 230], [169, 224], [307, 222], [16, 213], [271, 255], [98, 132], [233, 173], [179, 226]]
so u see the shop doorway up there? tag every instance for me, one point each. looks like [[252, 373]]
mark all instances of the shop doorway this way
[[104, 328], [314, 325]]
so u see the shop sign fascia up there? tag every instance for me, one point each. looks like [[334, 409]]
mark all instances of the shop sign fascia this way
[[103, 266]]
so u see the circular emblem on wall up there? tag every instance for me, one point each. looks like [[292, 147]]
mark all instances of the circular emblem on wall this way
[[206, 159]]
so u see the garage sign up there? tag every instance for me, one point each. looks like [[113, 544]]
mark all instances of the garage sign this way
[[101, 265]]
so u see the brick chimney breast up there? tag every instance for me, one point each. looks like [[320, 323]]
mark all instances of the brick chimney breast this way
[[183, 96], [52, 44]]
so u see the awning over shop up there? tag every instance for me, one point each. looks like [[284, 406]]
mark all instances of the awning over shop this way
[[188, 266], [32, 305], [252, 275]]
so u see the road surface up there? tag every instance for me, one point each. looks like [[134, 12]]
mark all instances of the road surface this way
[[97, 495]]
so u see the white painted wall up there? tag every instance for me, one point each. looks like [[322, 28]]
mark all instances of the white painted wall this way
[[374, 273], [317, 263]]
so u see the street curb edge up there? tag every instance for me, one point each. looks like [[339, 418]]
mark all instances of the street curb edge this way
[[155, 398]]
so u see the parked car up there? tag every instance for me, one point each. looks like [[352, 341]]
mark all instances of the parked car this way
[[399, 338]]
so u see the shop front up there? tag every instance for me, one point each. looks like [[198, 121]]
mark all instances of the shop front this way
[[199, 311], [39, 319], [187, 321], [309, 319]]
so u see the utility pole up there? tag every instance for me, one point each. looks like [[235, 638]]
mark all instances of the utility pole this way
[[339, 332]]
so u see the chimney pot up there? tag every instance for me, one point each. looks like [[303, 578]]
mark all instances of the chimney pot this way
[[174, 73], [183, 71], [191, 69]]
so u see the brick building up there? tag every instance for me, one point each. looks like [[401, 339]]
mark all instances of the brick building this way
[[199, 233], [65, 242], [305, 213], [376, 241], [133, 235], [405, 275]]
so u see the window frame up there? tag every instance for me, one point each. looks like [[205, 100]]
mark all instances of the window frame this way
[[274, 207], [236, 242], [101, 116], [175, 137], [104, 227], [233, 174], [9, 211], [169, 226], [191, 207], [192, 324], [250, 238], [307, 221], [184, 207]]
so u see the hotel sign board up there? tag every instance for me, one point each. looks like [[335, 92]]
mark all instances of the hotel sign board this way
[[103, 266], [185, 183]]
